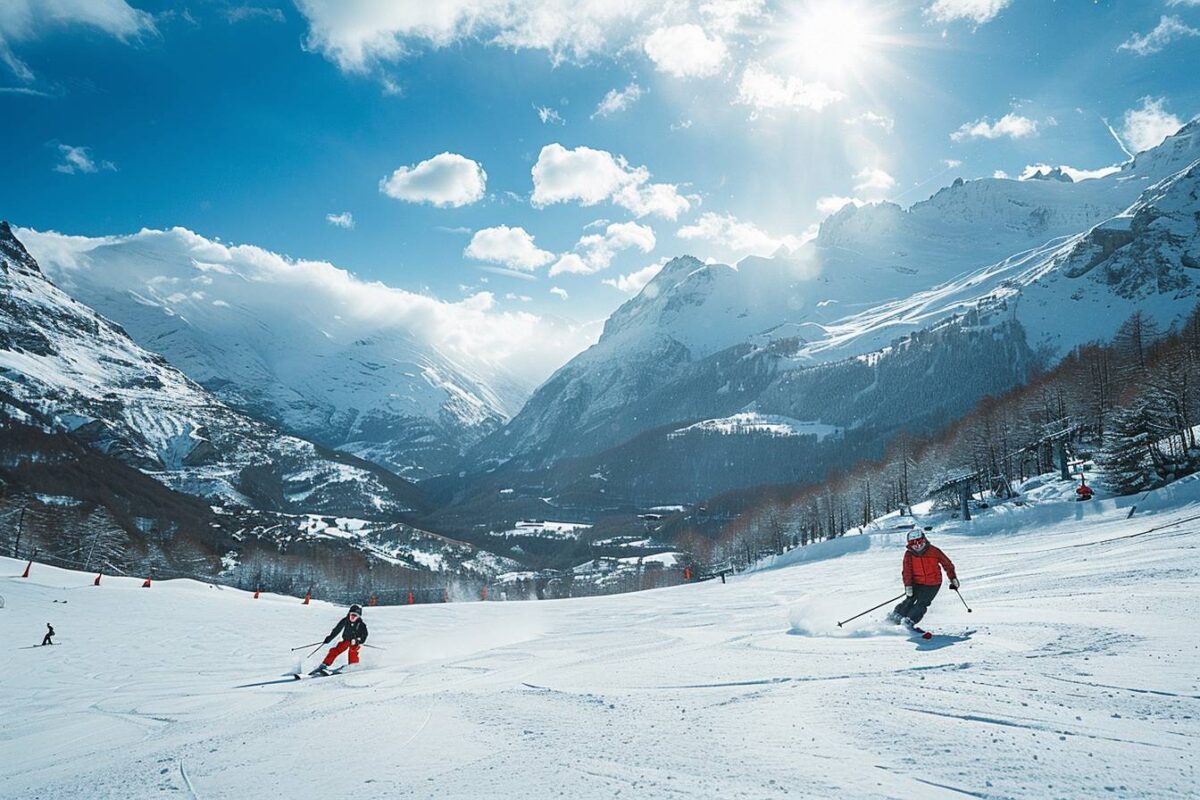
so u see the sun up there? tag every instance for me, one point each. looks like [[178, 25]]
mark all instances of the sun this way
[[831, 37], [836, 39]]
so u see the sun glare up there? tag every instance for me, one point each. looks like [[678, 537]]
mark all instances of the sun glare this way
[[833, 37]]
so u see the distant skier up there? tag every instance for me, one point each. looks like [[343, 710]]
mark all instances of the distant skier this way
[[49, 635], [922, 573], [354, 633]]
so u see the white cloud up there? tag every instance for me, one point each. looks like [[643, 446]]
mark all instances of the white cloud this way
[[732, 236], [832, 204], [549, 116], [653, 199], [685, 51], [342, 220], [26, 20], [271, 287], [447, 179], [512, 247], [634, 282], [1147, 126], [764, 90], [871, 118], [1168, 30], [595, 251], [977, 11], [616, 101], [1000, 174], [79, 159], [589, 176], [727, 15], [554, 290], [583, 174], [873, 181], [1011, 125], [952, 163], [359, 34]]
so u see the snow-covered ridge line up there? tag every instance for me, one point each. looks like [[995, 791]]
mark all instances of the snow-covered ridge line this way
[[389, 375]]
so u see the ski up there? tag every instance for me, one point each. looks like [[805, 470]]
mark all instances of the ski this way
[[325, 674]]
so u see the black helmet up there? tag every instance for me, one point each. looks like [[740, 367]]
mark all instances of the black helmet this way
[[356, 609]]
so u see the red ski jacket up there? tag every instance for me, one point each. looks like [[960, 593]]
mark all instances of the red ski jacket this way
[[925, 569]]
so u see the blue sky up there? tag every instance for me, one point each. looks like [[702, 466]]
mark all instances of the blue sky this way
[[732, 126]]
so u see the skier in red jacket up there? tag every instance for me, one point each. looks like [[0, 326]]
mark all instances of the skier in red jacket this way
[[922, 573]]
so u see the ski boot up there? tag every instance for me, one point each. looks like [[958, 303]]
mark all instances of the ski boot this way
[[320, 670]]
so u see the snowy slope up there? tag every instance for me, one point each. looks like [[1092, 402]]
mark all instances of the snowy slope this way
[[81, 373], [262, 333], [874, 274], [1078, 679]]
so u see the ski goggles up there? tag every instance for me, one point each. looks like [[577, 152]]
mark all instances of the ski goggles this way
[[917, 544]]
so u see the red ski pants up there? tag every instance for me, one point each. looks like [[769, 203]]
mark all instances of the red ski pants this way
[[340, 648]]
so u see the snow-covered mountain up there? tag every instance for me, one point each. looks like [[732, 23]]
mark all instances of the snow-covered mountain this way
[[347, 365], [1028, 269], [64, 367]]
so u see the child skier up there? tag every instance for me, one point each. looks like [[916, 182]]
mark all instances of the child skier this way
[[922, 573], [49, 635], [354, 633]]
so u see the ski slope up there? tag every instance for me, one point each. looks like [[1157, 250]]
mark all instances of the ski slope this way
[[1079, 679]]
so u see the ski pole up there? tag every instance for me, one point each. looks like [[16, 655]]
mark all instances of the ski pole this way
[[964, 602], [318, 647], [301, 647], [872, 608], [373, 647]]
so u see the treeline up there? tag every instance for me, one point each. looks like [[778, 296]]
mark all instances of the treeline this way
[[1132, 406]]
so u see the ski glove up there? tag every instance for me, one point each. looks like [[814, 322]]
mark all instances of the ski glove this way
[[908, 591], [328, 639], [954, 583]]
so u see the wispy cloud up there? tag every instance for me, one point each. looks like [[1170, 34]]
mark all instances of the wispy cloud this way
[[1168, 29], [342, 220], [616, 101], [250, 13], [548, 115], [976, 11], [22, 21], [870, 118], [79, 159]]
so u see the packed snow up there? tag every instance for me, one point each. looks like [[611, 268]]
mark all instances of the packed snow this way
[[1075, 676]]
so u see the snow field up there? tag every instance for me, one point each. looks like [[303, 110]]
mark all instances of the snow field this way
[[1076, 676]]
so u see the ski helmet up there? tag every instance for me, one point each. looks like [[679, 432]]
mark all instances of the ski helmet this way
[[356, 609], [916, 540]]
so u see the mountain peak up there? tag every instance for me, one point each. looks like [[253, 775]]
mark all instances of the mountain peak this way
[[1054, 174], [14, 253]]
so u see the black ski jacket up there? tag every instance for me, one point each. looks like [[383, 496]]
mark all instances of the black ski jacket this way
[[349, 630]]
